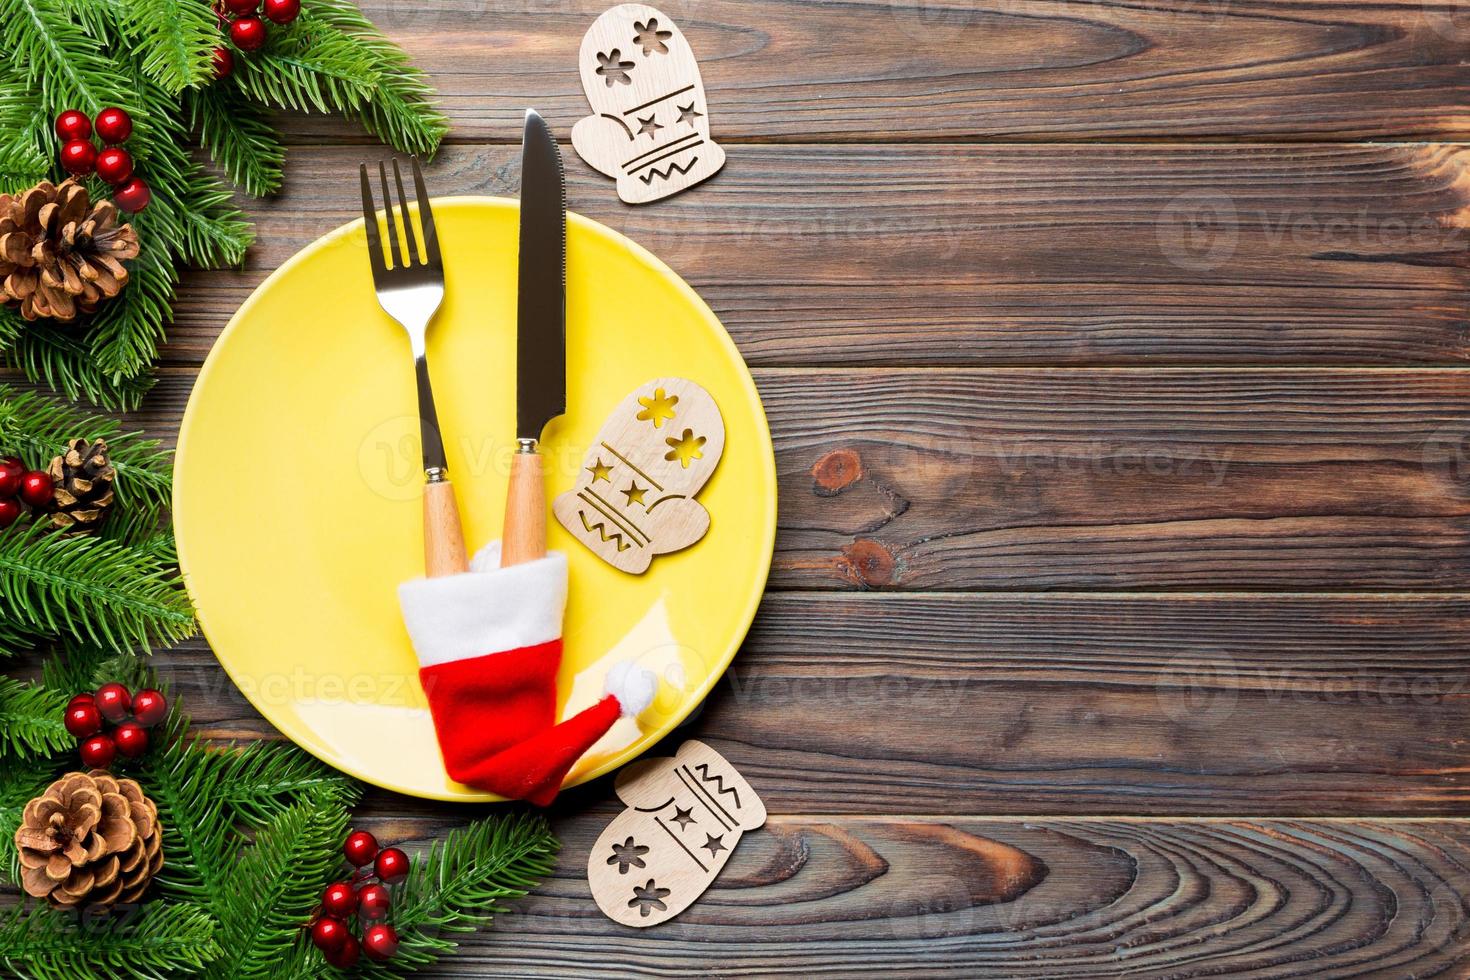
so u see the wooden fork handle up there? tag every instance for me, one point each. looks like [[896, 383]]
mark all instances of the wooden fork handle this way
[[444, 552], [524, 534]]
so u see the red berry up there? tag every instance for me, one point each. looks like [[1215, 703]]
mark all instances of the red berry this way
[[114, 165], [281, 11], [11, 470], [392, 866], [149, 707], [80, 699], [114, 702], [224, 62], [132, 196], [36, 488], [248, 33], [114, 125], [98, 752], [78, 157], [73, 125], [374, 901], [9, 511], [83, 720], [346, 955], [340, 899], [131, 739], [380, 941], [240, 8], [360, 848], [328, 934]]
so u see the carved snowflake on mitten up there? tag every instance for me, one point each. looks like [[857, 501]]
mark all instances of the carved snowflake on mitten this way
[[650, 38], [613, 69]]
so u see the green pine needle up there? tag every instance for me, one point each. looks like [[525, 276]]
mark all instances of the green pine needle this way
[[105, 591], [176, 39], [46, 944], [30, 720], [240, 138], [15, 641]]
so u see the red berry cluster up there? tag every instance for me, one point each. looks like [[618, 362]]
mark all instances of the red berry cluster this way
[[247, 28], [365, 894], [113, 164], [112, 703], [19, 485]]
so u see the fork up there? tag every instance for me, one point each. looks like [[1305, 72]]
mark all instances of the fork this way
[[410, 291]]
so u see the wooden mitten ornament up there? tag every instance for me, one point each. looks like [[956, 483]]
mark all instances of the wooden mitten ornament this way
[[634, 497], [649, 128], [685, 815]]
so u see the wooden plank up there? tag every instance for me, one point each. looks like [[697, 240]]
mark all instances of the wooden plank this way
[[954, 255], [1107, 479], [920, 70], [1070, 704], [816, 896]]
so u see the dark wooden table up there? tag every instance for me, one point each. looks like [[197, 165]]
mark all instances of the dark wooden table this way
[[1115, 360]]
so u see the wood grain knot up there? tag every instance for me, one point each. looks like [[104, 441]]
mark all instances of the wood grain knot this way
[[867, 563], [836, 471]]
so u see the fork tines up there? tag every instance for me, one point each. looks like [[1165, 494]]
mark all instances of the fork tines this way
[[394, 259]]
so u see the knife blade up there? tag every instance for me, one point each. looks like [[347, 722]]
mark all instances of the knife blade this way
[[541, 344]]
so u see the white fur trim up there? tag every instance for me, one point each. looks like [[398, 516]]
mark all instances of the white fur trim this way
[[633, 686], [487, 609]]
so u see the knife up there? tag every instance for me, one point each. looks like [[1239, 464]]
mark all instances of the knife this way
[[541, 339]]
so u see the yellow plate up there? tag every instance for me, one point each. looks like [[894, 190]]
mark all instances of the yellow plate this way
[[297, 481]]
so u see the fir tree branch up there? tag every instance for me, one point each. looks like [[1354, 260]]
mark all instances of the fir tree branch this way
[[58, 58], [88, 587], [198, 837], [270, 891], [401, 109], [240, 137], [30, 720], [46, 944], [259, 781], [459, 885], [57, 357], [176, 39]]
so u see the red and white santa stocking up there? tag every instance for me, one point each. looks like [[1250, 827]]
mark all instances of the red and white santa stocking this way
[[489, 647]]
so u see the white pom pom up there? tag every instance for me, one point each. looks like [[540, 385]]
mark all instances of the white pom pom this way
[[633, 686]]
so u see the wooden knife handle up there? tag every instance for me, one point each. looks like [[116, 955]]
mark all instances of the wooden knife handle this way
[[524, 535], [444, 552]]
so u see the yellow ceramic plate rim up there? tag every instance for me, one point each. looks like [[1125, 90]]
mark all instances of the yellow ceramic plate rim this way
[[292, 727]]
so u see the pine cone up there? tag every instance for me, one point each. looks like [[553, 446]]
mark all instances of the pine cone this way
[[60, 256], [82, 478], [90, 840]]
